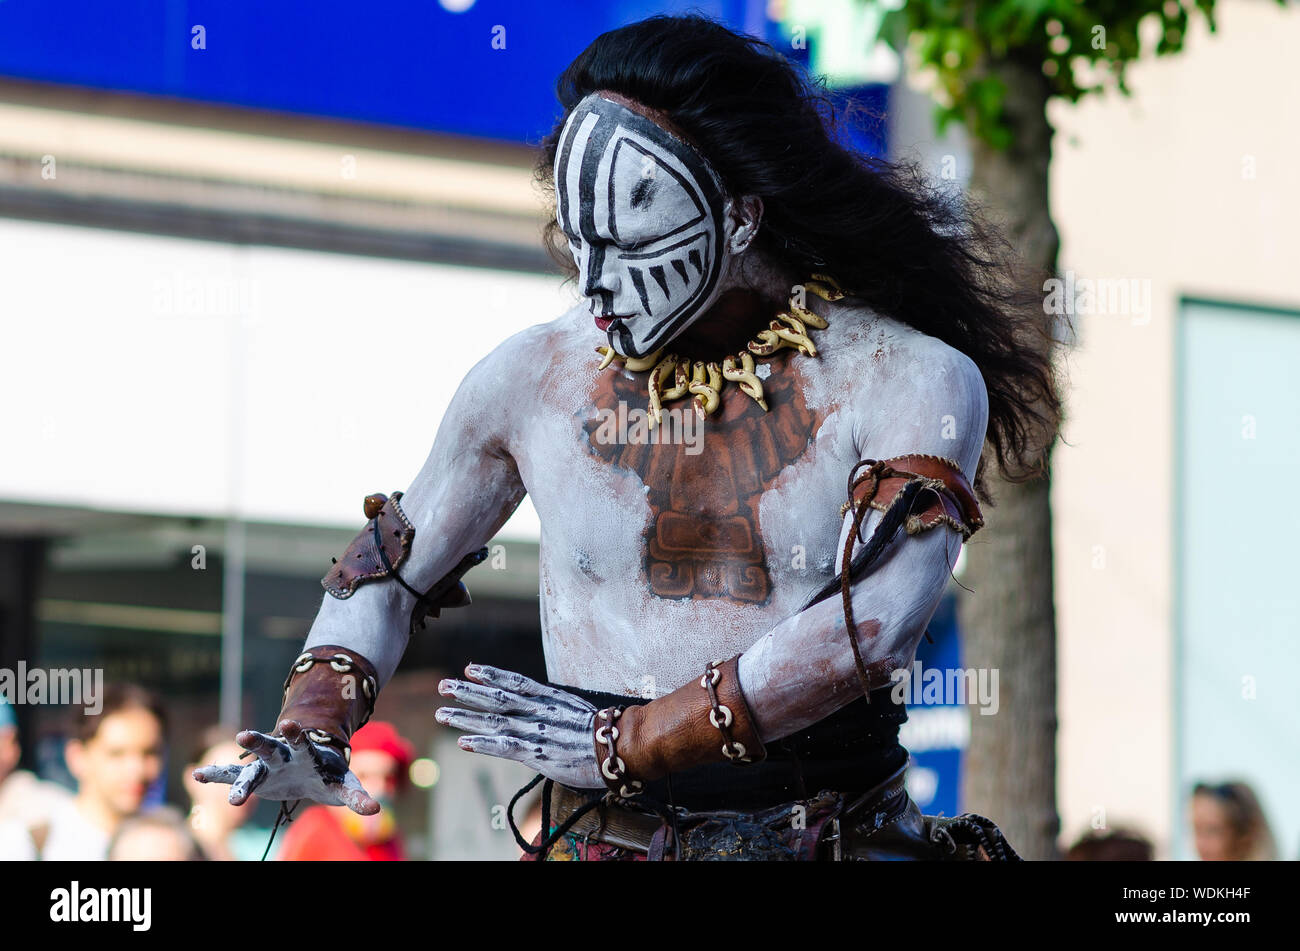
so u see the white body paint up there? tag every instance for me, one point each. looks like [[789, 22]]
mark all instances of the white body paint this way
[[516, 426]]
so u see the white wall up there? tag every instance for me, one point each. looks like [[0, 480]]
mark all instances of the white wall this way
[[1189, 185], [162, 375]]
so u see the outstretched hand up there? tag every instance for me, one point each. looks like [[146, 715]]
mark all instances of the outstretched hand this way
[[516, 718], [290, 767]]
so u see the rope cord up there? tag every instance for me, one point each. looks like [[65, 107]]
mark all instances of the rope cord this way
[[284, 815]]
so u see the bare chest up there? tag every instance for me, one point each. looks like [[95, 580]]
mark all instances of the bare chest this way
[[665, 547]]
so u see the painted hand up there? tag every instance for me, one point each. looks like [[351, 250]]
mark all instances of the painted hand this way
[[516, 718], [290, 768]]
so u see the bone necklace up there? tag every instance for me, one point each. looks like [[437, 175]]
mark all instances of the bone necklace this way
[[705, 381]]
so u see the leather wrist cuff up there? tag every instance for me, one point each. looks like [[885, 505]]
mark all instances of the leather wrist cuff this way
[[331, 691], [684, 729]]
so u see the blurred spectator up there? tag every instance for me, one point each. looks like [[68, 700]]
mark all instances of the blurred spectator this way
[[157, 836], [115, 756], [217, 826], [1229, 825], [1112, 845], [26, 803], [381, 759]]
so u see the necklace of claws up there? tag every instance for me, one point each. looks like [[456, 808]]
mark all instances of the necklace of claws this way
[[674, 377]]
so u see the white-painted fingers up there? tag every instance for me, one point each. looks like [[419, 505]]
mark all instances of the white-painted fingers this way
[[489, 698], [250, 777], [476, 721], [218, 774], [352, 795], [264, 747], [513, 682], [506, 747], [292, 732]]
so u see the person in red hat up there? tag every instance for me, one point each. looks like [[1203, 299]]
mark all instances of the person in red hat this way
[[381, 758]]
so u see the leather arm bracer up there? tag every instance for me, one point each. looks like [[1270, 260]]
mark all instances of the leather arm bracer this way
[[705, 721], [381, 548], [331, 692], [378, 550]]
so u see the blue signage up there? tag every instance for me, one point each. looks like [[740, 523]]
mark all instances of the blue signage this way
[[488, 71], [480, 68], [938, 727]]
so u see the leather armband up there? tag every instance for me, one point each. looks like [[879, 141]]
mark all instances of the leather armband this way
[[705, 721], [946, 498], [331, 691], [378, 550], [381, 548]]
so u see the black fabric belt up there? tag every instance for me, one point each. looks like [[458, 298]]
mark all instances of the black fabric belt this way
[[852, 750]]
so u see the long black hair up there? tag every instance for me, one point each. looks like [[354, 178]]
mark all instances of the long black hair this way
[[912, 252]]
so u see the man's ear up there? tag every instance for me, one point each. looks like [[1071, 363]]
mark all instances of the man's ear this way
[[744, 214]]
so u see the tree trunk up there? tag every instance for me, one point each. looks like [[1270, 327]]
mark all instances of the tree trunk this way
[[1008, 624]]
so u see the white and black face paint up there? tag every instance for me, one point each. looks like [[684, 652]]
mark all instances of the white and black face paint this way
[[644, 215]]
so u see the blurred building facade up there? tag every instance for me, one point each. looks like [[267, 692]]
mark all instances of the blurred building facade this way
[[1177, 615]]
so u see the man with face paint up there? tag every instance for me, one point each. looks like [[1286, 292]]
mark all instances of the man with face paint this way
[[720, 629], [647, 220]]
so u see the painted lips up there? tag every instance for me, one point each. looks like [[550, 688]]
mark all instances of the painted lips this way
[[604, 322]]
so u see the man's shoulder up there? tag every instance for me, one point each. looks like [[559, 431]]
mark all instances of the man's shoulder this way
[[908, 391], [524, 347], [518, 362], [883, 353]]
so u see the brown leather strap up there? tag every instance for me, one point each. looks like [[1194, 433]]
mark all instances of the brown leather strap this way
[[674, 732], [379, 550], [610, 822], [953, 502], [331, 692], [363, 562]]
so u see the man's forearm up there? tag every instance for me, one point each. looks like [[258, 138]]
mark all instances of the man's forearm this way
[[803, 670], [370, 623], [465, 491], [798, 674]]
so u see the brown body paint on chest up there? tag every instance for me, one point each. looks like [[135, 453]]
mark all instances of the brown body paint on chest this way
[[704, 539]]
